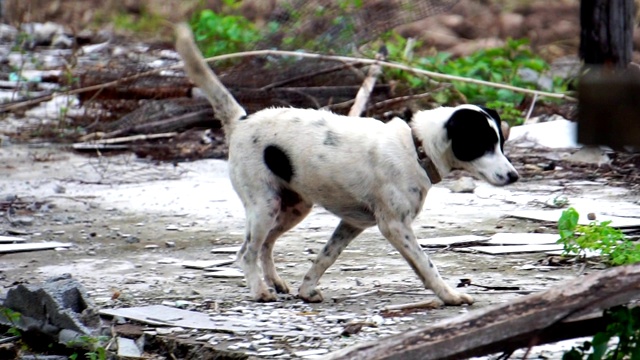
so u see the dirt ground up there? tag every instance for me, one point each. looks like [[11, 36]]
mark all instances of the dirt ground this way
[[132, 224]]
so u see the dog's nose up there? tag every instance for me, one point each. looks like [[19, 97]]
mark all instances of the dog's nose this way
[[513, 177]]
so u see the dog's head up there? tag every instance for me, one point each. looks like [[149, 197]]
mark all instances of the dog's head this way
[[477, 142]]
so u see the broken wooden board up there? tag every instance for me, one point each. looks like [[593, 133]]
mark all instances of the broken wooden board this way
[[160, 315], [554, 215], [226, 273], [446, 241], [565, 311], [11, 240], [523, 239], [13, 248], [587, 253], [226, 250], [127, 348], [515, 249], [204, 264]]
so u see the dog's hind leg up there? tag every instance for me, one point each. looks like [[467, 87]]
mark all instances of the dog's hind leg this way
[[288, 217], [261, 220], [401, 236], [340, 239]]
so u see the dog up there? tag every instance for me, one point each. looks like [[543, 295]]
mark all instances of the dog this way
[[282, 161]]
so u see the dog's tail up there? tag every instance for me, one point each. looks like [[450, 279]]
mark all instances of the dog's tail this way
[[225, 107]]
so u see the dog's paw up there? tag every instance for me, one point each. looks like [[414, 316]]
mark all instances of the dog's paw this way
[[280, 285], [266, 295], [456, 298], [310, 296]]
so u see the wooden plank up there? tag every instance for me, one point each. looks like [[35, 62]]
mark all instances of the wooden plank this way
[[161, 315], [225, 273], [452, 240], [554, 215], [203, 264], [13, 248], [11, 240], [526, 321], [523, 239], [514, 249], [226, 250]]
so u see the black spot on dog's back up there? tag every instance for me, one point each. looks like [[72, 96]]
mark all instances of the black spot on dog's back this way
[[470, 134], [331, 139], [278, 162], [320, 122]]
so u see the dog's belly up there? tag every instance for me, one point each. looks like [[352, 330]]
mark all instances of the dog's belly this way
[[357, 215]]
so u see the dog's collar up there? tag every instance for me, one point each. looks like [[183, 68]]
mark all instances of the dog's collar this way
[[425, 161]]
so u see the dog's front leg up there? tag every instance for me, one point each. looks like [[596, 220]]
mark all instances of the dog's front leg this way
[[341, 237], [401, 236]]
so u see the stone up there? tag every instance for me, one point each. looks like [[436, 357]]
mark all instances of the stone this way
[[60, 303], [463, 185]]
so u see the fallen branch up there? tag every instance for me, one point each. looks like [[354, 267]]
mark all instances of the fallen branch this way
[[552, 315], [362, 97], [427, 304], [120, 140], [345, 59]]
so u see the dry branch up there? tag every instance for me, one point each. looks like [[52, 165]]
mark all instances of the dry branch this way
[[531, 320], [362, 97], [345, 59]]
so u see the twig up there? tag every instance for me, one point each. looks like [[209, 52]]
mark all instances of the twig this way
[[533, 104], [427, 304], [355, 60], [401, 99], [346, 59], [305, 76], [9, 339]]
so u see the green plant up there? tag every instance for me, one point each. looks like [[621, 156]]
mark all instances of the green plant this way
[[501, 65], [13, 317], [95, 345], [218, 34], [623, 323], [597, 236], [144, 22]]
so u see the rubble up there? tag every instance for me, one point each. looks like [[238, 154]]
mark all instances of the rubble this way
[[54, 308]]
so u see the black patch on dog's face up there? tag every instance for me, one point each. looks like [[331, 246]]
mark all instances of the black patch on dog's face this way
[[471, 135], [278, 162], [331, 139]]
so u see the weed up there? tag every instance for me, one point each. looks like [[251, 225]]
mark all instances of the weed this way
[[95, 345], [501, 65], [13, 317], [597, 236], [146, 22], [222, 34], [623, 323]]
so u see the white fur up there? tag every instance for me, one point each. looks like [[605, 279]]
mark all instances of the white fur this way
[[364, 171]]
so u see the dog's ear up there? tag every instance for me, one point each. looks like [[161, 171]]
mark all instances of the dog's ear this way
[[494, 114], [470, 134], [503, 127]]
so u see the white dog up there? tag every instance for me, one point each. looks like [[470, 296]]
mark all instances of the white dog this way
[[284, 160]]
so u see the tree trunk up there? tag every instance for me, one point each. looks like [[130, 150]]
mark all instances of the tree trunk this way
[[606, 35]]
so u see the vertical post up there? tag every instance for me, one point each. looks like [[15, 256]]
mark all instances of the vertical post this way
[[606, 35]]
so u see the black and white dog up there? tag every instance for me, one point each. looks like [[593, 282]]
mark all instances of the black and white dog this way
[[284, 160]]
